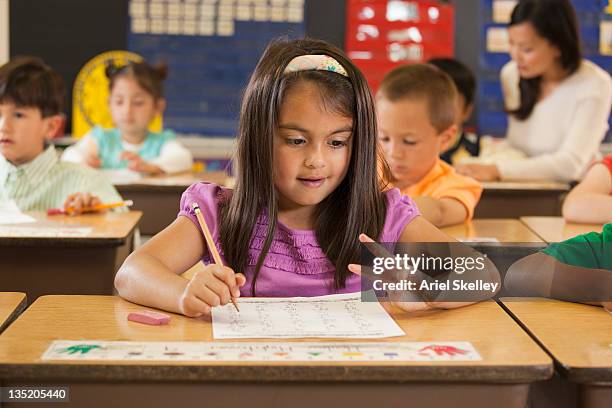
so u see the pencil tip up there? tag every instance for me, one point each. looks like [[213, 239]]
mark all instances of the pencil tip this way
[[195, 206]]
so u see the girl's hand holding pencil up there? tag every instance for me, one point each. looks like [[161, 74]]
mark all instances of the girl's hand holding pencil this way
[[214, 293], [216, 285]]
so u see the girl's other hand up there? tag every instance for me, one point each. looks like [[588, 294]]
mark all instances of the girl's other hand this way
[[214, 286], [399, 300]]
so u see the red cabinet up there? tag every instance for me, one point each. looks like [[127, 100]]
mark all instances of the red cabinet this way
[[381, 34]]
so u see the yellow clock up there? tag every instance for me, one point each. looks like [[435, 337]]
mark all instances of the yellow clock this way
[[90, 94]]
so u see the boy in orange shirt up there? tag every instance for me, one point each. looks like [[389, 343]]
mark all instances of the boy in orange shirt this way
[[416, 109]]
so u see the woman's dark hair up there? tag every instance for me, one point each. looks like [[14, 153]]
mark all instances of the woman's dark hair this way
[[356, 206], [150, 78], [554, 20]]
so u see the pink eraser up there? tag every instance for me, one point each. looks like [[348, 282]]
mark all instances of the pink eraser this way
[[55, 211], [148, 317]]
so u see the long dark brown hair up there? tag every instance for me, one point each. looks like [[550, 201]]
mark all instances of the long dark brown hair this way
[[554, 20], [356, 206]]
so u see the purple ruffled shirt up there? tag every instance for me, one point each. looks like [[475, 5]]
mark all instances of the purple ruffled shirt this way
[[295, 265]]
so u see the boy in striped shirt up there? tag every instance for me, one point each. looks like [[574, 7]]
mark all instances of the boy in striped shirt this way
[[32, 99]]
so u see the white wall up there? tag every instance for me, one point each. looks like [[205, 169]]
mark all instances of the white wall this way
[[4, 31]]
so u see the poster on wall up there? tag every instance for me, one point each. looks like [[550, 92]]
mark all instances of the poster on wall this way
[[211, 48], [4, 31], [605, 38], [498, 40], [381, 34], [502, 10]]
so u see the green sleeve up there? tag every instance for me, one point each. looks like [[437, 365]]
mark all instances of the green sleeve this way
[[592, 250]]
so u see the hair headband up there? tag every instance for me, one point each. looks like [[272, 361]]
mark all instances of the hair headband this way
[[315, 62]]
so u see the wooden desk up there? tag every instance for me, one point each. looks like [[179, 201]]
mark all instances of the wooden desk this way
[[516, 241], [578, 337], [507, 231], [555, 229], [159, 197], [507, 199], [82, 263], [511, 361], [11, 305]]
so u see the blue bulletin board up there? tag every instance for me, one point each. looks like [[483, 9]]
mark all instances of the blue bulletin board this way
[[211, 48]]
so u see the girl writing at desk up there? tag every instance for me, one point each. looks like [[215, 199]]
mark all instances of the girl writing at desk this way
[[307, 191]]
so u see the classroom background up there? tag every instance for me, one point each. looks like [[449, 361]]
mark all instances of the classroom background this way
[[211, 48], [62, 323]]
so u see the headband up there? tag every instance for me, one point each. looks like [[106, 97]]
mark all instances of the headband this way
[[315, 62]]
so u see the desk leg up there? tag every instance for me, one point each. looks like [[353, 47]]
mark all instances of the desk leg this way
[[555, 392], [596, 396], [158, 209], [509, 205]]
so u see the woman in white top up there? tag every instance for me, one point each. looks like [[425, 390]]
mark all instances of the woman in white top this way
[[558, 103]]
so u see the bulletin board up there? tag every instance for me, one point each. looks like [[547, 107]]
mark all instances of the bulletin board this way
[[211, 48], [382, 34]]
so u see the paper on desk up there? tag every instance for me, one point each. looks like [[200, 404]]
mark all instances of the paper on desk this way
[[333, 316], [121, 176], [45, 232], [11, 214]]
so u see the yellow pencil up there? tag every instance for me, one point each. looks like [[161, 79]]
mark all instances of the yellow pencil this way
[[210, 242], [126, 203], [60, 211]]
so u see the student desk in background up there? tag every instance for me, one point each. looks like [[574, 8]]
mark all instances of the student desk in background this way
[[11, 305], [555, 229], [505, 199], [511, 362], [504, 241], [579, 338], [159, 197], [506, 231], [65, 255]]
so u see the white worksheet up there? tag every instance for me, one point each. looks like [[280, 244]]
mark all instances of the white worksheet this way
[[11, 214], [333, 316]]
